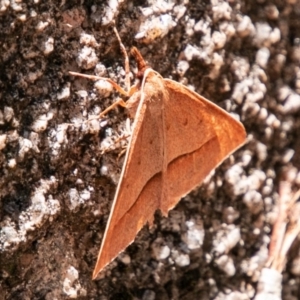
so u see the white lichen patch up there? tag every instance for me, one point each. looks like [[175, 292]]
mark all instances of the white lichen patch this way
[[124, 258], [226, 264], [41, 26], [16, 5], [64, 94], [252, 266], [24, 146], [221, 10], [41, 122], [48, 46], [160, 250], [9, 236], [154, 28], [226, 239], [104, 88], [269, 285], [157, 7], [262, 57], [290, 100], [245, 26], [180, 259], [253, 200], [88, 40], [265, 36], [87, 58], [194, 236], [230, 215], [8, 113], [42, 207], [237, 180], [182, 67], [93, 126], [3, 138], [71, 286], [77, 198], [12, 163], [219, 39], [111, 10], [4, 4]]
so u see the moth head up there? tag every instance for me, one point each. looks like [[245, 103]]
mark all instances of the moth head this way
[[141, 64]]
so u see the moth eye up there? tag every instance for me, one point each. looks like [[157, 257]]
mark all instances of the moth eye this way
[[168, 126], [185, 121]]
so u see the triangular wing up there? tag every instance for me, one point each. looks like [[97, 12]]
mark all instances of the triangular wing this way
[[207, 135], [140, 187]]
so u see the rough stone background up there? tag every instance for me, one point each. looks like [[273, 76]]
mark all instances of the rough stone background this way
[[57, 181]]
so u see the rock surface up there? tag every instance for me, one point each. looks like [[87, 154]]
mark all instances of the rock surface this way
[[58, 174]]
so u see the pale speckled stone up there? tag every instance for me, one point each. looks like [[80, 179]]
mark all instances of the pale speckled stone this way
[[70, 287], [262, 57], [3, 138], [155, 28], [87, 58], [104, 88], [245, 26], [160, 251], [182, 67], [225, 263], [48, 46], [269, 285], [226, 239], [180, 259], [194, 235], [64, 94]]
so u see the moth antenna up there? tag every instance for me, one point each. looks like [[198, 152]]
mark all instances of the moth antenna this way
[[141, 64], [126, 63]]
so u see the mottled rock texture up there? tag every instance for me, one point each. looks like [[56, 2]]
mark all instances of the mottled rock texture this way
[[58, 174]]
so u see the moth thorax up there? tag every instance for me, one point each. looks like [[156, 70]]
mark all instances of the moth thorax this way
[[132, 104], [154, 89]]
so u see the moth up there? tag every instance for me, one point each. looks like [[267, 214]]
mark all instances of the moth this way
[[178, 138]]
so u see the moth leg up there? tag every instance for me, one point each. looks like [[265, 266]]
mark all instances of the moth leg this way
[[119, 142], [121, 153], [119, 102], [114, 84], [126, 63], [130, 90], [125, 136], [133, 89]]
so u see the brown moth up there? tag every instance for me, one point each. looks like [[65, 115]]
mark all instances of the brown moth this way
[[178, 138]]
